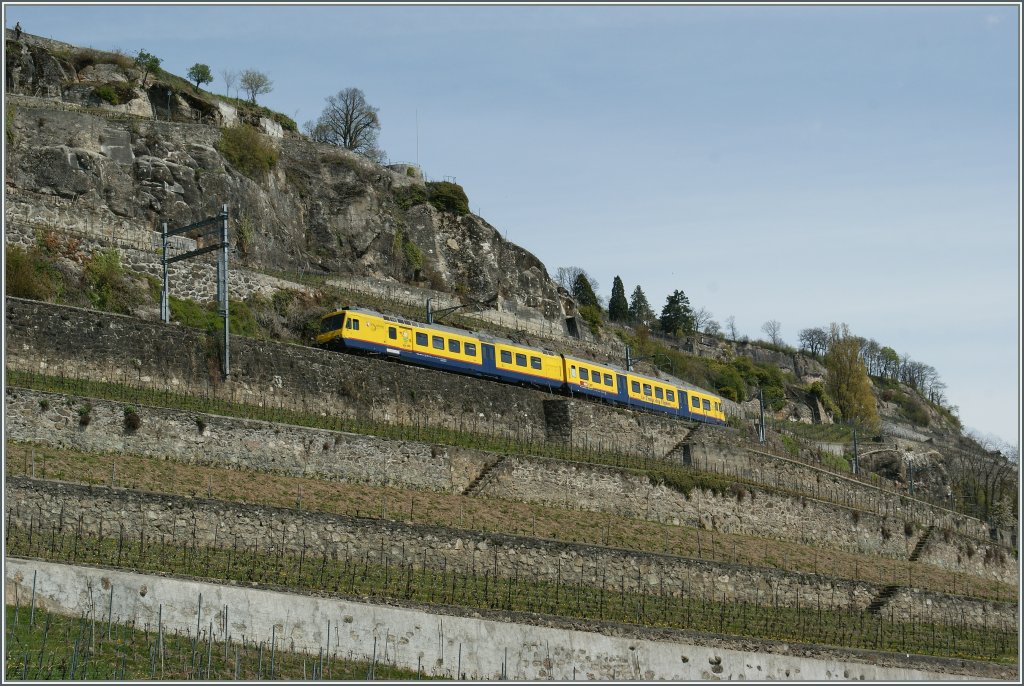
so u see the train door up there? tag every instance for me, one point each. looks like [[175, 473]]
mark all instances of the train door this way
[[622, 388], [487, 357]]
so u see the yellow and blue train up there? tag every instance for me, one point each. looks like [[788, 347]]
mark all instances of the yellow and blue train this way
[[466, 352]]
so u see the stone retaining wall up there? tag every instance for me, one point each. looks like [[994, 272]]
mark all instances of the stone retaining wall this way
[[46, 504], [52, 419], [449, 643]]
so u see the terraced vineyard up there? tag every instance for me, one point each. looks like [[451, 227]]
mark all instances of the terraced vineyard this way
[[466, 548]]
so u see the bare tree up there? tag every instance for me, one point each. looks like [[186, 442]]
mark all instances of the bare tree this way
[[230, 77], [349, 122], [255, 83], [773, 328], [566, 278], [701, 318], [814, 340], [730, 324]]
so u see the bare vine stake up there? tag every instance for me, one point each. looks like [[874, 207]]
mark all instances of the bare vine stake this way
[[32, 612]]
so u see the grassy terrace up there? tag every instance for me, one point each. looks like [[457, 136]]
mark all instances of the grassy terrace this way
[[406, 580], [44, 646], [483, 514]]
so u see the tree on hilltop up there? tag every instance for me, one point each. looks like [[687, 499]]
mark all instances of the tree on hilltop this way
[[147, 64], [200, 74], [255, 83], [847, 381], [583, 292], [348, 122], [640, 311], [676, 315], [618, 307]]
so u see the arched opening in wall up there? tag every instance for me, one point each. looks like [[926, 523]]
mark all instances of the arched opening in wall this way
[[572, 327]]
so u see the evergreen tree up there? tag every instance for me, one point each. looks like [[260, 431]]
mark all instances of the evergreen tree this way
[[618, 308], [640, 311], [847, 381], [677, 315], [583, 292]]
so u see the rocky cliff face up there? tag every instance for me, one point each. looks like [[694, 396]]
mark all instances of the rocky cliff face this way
[[81, 129]]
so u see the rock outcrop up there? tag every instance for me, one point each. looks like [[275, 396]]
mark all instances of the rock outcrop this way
[[81, 128]]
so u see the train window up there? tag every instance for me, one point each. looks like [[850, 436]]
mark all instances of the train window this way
[[331, 323], [520, 360], [421, 339], [696, 402], [471, 349], [584, 373], [670, 396], [535, 362], [506, 357], [438, 342], [707, 405], [348, 323], [647, 389], [392, 333], [454, 346], [355, 325], [658, 393], [607, 379], [636, 387], [595, 375], [572, 372]]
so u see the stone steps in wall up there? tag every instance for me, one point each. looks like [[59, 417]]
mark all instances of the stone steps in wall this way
[[479, 482], [882, 598], [921, 543]]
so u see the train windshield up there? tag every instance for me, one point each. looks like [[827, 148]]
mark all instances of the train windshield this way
[[332, 323]]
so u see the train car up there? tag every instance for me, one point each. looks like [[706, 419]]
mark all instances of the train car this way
[[585, 377], [519, 363], [655, 394], [440, 347], [701, 406]]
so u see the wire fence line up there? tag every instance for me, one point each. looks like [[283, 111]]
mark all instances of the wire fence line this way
[[632, 600]]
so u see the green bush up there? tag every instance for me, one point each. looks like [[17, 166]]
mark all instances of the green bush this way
[[115, 92], [241, 319], [248, 150], [108, 289], [448, 197], [410, 196], [729, 383], [591, 314], [28, 274]]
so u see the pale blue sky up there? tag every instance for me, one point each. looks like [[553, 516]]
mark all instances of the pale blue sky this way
[[806, 164]]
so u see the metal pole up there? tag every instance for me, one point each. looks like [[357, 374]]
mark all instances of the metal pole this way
[[760, 430], [629, 361], [856, 460], [430, 316], [165, 310], [224, 289]]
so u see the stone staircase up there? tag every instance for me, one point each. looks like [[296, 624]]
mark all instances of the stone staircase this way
[[886, 593], [882, 598], [921, 543], [478, 483]]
